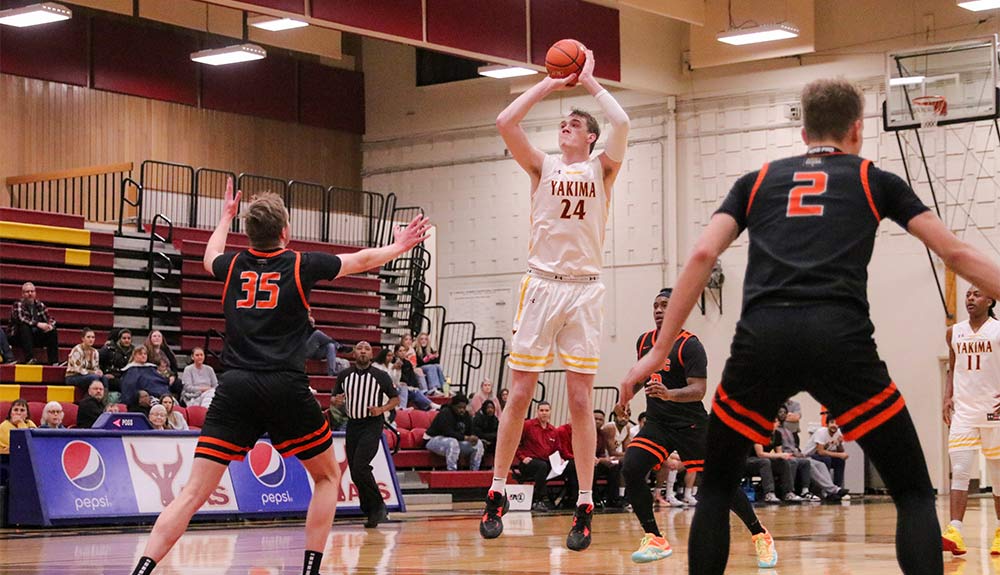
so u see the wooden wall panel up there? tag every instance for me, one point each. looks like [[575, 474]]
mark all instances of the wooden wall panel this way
[[50, 126]]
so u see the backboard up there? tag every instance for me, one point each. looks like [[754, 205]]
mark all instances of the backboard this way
[[964, 73]]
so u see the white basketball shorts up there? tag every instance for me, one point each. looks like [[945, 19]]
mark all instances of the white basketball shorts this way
[[970, 438]]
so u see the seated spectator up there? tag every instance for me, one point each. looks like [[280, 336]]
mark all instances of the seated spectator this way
[[175, 419], [158, 418], [641, 423], [820, 479], [408, 396], [539, 440], [176, 386], [31, 324], [92, 406], [769, 461], [336, 416], [17, 418], [484, 394], [6, 354], [793, 417], [430, 362], [827, 446], [450, 435], [502, 397], [157, 348], [405, 352], [321, 346], [665, 480], [115, 355], [199, 381], [607, 466], [84, 364], [52, 416], [485, 425], [141, 376]]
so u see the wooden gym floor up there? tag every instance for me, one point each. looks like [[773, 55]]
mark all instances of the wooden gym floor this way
[[853, 538]]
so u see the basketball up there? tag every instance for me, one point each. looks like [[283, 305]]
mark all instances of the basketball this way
[[565, 58]]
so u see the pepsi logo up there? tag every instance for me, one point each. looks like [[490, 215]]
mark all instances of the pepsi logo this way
[[266, 464], [83, 465]]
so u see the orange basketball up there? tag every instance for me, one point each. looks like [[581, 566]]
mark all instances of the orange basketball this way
[[565, 58]]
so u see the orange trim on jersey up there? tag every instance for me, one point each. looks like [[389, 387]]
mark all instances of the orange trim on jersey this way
[[261, 254], [650, 443], [735, 406], [298, 281], [854, 412], [642, 343], [740, 428], [756, 186], [218, 454], [655, 453], [680, 350], [693, 462], [221, 443], [283, 444], [876, 421], [325, 437], [868, 190], [229, 274]]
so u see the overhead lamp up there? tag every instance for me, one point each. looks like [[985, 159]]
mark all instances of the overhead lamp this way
[[230, 54], [980, 5], [275, 24], [502, 71], [756, 34], [35, 14], [907, 81]]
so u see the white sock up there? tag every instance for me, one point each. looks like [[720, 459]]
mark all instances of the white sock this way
[[671, 480], [499, 485], [585, 498], [956, 524], [687, 492]]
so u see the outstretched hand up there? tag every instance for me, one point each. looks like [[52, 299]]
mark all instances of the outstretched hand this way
[[414, 233], [231, 205], [588, 66]]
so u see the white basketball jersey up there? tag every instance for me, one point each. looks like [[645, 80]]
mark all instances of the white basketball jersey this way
[[977, 372], [569, 210]]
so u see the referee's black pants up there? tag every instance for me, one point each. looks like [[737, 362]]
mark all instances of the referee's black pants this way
[[362, 441]]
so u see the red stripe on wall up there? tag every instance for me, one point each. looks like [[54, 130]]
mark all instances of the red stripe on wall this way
[[596, 26], [60, 54], [497, 28], [396, 17], [263, 88]]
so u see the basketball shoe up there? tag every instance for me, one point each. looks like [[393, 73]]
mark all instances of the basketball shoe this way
[[951, 540], [497, 506], [652, 548], [579, 535], [995, 548], [767, 555]]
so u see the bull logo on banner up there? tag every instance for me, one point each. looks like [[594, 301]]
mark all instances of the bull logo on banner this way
[[164, 479]]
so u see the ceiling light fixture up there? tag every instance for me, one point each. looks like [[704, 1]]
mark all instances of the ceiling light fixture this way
[[230, 54], [907, 81], [35, 14], [756, 34], [502, 71], [980, 5], [276, 24]]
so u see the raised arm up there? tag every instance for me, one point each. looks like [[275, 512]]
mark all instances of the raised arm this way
[[509, 124], [966, 260], [217, 243], [617, 138], [406, 239]]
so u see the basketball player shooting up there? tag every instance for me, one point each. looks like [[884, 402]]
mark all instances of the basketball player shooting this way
[[561, 297], [265, 388]]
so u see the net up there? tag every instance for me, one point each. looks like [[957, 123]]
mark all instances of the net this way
[[929, 109]]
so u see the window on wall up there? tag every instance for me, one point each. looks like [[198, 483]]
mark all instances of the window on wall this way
[[437, 68]]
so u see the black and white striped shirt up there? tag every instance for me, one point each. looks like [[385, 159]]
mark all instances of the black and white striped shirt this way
[[363, 388]]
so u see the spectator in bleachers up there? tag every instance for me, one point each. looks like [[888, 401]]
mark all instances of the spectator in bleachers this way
[[406, 352], [141, 376], [408, 396], [90, 407], [502, 397], [175, 419], [176, 385], [321, 346], [6, 354], [827, 446], [17, 418], [52, 416], [485, 425], [539, 440], [666, 479], [607, 466], [792, 418], [429, 361], [641, 421], [31, 324], [84, 364], [158, 418], [115, 354], [484, 394], [768, 461], [158, 349], [819, 475], [199, 381], [450, 435]]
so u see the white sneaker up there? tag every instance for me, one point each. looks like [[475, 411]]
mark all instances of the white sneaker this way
[[809, 496], [690, 501], [846, 498], [772, 498], [792, 498], [673, 501]]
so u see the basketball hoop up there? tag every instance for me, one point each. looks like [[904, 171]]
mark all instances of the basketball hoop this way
[[929, 109]]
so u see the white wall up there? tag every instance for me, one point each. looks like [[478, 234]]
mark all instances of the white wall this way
[[438, 147]]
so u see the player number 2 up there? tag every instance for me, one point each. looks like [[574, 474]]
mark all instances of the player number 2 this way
[[814, 184], [260, 290], [971, 368], [578, 211]]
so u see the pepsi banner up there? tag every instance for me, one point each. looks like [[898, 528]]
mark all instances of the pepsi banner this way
[[81, 477]]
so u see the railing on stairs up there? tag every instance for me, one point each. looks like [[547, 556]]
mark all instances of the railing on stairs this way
[[153, 258], [136, 204], [88, 192]]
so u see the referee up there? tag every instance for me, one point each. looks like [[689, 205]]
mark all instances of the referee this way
[[361, 390]]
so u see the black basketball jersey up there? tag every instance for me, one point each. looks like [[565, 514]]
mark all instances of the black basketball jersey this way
[[687, 359], [265, 301], [812, 222]]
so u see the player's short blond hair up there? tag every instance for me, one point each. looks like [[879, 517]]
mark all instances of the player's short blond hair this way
[[265, 218], [829, 108]]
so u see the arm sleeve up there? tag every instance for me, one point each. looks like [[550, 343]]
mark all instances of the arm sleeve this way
[[220, 266], [617, 141], [694, 358], [895, 198], [738, 198], [318, 266]]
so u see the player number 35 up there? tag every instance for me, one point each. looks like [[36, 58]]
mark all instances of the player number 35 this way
[[260, 291]]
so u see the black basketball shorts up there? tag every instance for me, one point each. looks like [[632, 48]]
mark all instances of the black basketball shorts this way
[[661, 440]]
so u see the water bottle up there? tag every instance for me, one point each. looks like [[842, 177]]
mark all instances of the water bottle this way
[[447, 385]]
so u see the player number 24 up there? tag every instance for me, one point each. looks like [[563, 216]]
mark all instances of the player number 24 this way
[[578, 211], [260, 290], [812, 184]]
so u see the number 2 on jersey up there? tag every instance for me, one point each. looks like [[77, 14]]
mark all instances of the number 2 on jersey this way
[[814, 184], [578, 211], [256, 285]]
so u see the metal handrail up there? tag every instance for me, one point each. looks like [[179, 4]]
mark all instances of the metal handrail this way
[[208, 340], [137, 204], [151, 263]]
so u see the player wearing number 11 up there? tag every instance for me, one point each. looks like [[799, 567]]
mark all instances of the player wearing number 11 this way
[[265, 388], [560, 299]]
